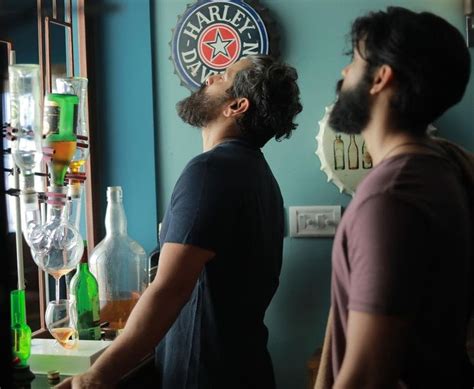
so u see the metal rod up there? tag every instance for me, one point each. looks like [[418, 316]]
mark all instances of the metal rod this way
[[19, 236], [18, 230]]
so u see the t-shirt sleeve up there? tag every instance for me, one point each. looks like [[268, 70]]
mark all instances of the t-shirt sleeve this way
[[387, 257], [202, 206]]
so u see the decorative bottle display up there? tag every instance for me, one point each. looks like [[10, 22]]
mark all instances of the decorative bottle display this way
[[21, 332], [59, 126], [366, 158], [84, 290], [338, 148], [353, 152], [120, 265]]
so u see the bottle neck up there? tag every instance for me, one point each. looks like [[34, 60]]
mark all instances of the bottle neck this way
[[115, 219], [83, 267], [18, 307]]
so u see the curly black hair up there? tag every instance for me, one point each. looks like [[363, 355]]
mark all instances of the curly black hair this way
[[274, 96], [429, 58]]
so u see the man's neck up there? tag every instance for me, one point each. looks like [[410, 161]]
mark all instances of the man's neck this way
[[383, 141], [217, 133]]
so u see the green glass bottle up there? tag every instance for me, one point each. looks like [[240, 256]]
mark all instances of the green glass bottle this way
[[21, 332], [84, 290], [59, 130]]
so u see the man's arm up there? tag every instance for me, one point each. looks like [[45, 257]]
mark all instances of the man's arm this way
[[156, 310], [374, 353]]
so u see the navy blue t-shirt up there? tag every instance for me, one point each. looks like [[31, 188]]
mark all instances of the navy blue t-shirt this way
[[226, 201]]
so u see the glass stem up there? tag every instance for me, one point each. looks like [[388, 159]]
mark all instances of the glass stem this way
[[57, 289]]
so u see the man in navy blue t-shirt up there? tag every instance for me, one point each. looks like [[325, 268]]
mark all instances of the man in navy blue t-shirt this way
[[222, 239]]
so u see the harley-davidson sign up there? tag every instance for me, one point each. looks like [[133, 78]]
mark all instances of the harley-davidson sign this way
[[213, 34]]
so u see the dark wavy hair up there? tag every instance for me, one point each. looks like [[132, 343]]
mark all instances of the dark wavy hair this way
[[429, 58], [274, 96]]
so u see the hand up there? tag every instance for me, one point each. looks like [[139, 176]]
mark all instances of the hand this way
[[87, 380]]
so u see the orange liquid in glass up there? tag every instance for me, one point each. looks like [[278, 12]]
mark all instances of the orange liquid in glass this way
[[116, 312], [59, 273], [63, 335], [63, 153]]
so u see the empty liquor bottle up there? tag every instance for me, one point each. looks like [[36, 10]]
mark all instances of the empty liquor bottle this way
[[338, 149], [353, 152], [84, 291], [59, 130], [120, 265], [366, 158], [21, 332]]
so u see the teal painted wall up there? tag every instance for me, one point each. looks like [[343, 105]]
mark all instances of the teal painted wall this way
[[313, 40], [124, 109]]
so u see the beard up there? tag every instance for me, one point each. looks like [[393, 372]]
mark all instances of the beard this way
[[351, 112], [200, 109]]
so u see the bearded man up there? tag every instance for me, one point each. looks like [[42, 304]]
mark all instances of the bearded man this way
[[402, 279], [222, 238]]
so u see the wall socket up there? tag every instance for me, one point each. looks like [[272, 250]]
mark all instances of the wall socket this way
[[314, 221]]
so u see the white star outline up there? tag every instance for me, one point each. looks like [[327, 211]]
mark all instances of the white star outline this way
[[219, 45]]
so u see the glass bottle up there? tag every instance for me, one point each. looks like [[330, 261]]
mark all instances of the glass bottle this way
[[338, 148], [366, 158], [353, 152], [84, 290], [21, 331], [120, 265], [77, 86], [25, 118], [59, 130]]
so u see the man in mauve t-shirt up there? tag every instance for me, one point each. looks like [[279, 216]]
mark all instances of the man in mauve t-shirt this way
[[402, 258]]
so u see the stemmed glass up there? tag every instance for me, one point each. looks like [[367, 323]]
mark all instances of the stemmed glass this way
[[61, 322]]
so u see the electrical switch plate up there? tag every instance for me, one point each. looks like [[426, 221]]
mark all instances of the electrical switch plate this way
[[314, 221]]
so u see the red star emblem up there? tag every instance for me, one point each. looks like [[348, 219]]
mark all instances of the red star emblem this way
[[219, 46]]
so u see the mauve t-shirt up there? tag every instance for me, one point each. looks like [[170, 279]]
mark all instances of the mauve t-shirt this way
[[403, 248]]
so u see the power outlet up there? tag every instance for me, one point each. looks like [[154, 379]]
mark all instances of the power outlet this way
[[314, 221]]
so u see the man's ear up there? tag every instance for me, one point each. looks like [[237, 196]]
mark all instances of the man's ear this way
[[383, 77], [237, 107]]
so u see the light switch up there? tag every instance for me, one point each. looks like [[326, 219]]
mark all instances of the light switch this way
[[314, 221]]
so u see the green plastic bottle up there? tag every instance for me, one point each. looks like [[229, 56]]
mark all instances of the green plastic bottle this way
[[84, 290], [59, 130], [21, 332]]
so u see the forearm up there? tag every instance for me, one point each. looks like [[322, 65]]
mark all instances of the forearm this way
[[361, 379], [142, 332]]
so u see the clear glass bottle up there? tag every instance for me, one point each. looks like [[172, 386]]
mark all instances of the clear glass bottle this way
[[84, 291], [119, 264], [25, 117]]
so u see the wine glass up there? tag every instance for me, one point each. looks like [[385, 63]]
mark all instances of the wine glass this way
[[61, 322]]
